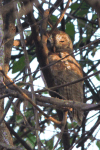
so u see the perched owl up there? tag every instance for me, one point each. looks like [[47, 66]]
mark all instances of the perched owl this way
[[66, 70]]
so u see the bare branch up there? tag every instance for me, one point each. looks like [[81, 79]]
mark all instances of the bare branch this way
[[27, 98], [60, 18]]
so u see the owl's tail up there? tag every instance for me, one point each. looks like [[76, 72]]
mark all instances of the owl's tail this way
[[78, 116]]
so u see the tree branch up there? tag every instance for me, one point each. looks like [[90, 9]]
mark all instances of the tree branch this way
[[95, 4], [15, 87]]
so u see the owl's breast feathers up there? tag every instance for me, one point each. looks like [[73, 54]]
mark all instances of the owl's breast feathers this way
[[68, 64]]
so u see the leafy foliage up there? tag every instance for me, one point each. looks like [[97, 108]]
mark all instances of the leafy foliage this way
[[82, 30], [70, 30]]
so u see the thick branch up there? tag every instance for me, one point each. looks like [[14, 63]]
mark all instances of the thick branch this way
[[59, 103], [65, 104], [95, 4]]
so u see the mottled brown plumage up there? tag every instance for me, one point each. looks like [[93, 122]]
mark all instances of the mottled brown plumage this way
[[66, 70]]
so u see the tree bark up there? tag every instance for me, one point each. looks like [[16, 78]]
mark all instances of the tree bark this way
[[95, 4], [7, 21]]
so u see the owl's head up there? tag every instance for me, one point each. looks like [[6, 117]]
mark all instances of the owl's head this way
[[59, 41]]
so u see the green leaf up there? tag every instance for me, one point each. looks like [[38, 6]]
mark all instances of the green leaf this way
[[94, 17], [94, 52], [45, 92], [83, 9], [20, 64], [28, 113], [31, 140], [21, 84], [97, 76], [84, 39], [19, 118], [71, 139], [50, 143], [85, 6], [60, 148], [88, 61], [74, 6], [53, 18], [82, 13], [73, 124], [98, 144], [70, 30], [81, 23]]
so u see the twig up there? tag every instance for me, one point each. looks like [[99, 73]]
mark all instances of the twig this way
[[88, 133], [67, 84], [27, 66], [55, 6], [62, 129], [6, 110], [60, 18], [26, 97], [18, 137]]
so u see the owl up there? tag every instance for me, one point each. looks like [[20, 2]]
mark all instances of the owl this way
[[66, 70]]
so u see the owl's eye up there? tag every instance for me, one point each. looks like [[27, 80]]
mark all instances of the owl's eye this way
[[62, 41]]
